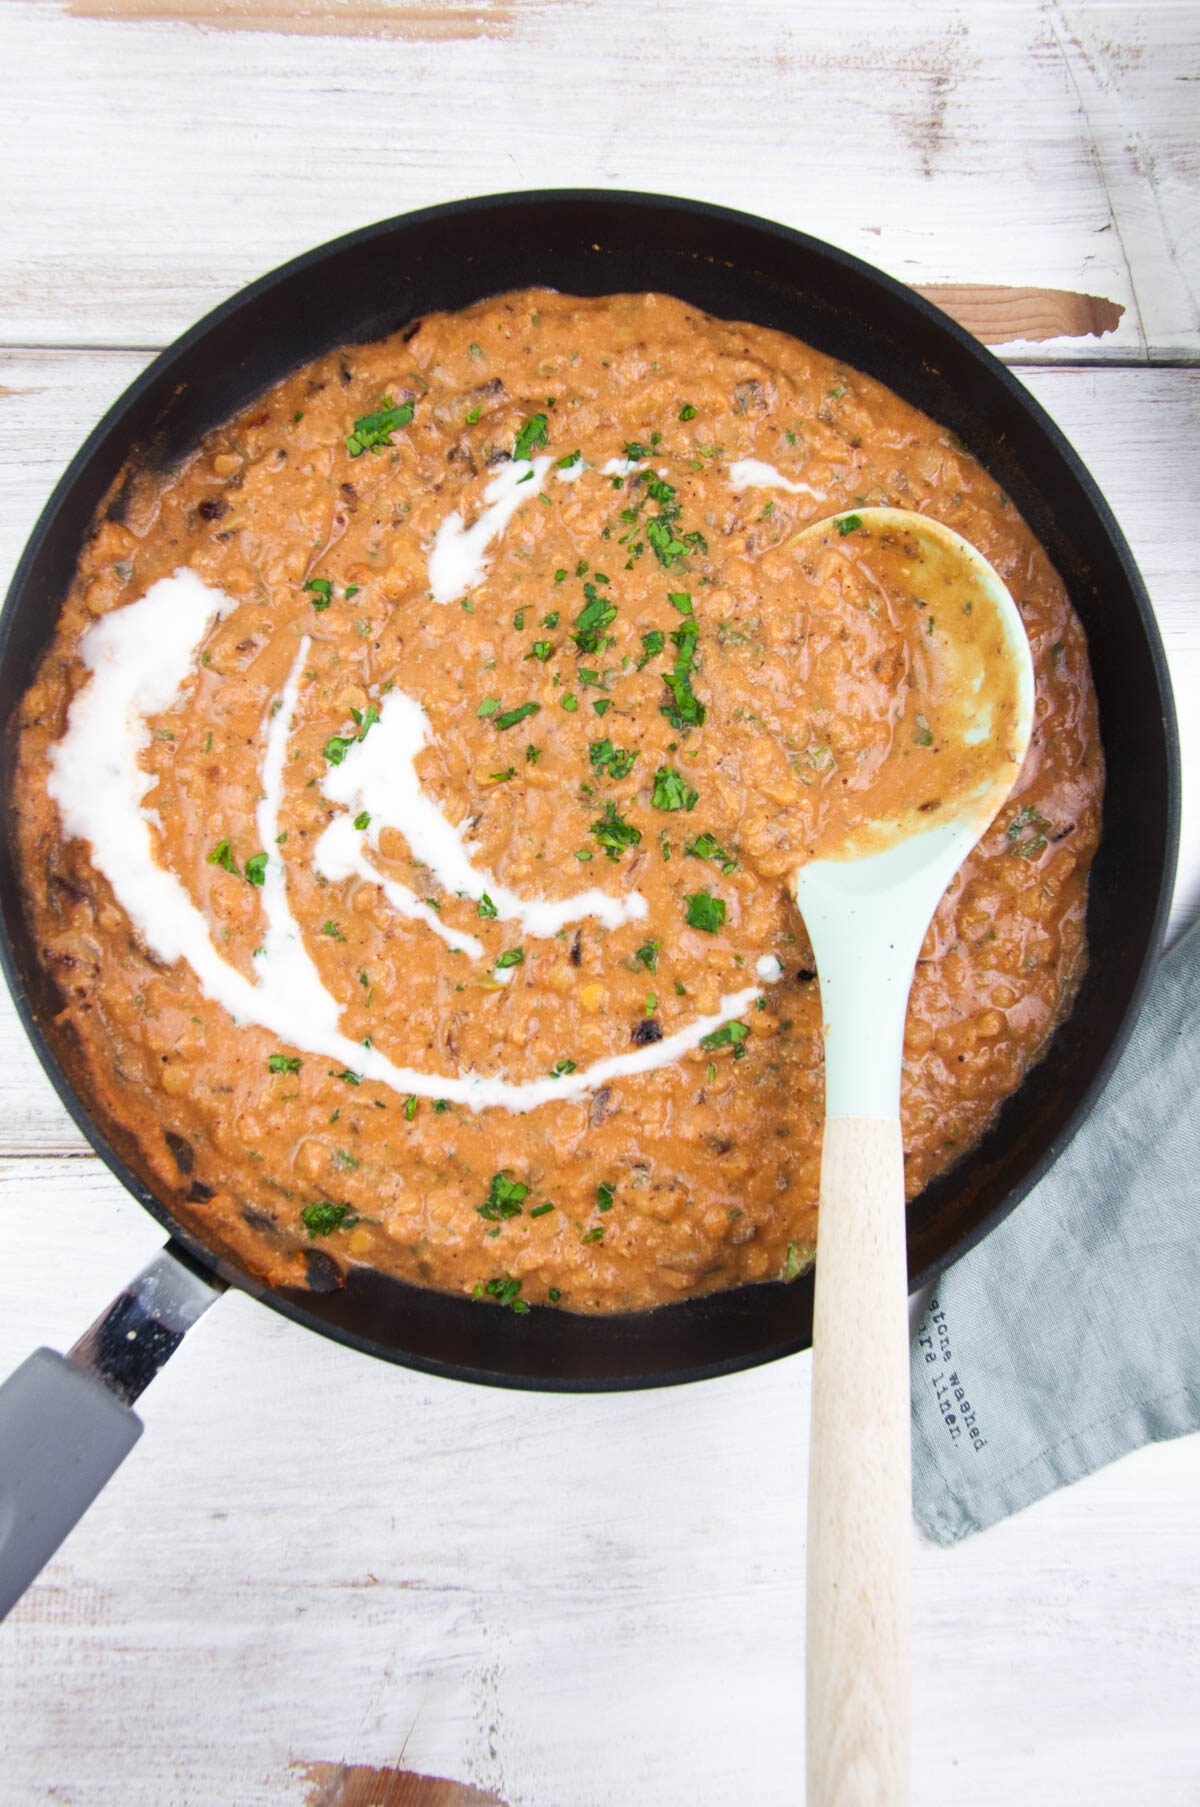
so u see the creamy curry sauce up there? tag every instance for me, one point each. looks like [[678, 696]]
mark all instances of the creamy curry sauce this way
[[406, 798]]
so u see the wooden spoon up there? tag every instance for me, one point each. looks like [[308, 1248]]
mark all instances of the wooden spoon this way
[[867, 900]]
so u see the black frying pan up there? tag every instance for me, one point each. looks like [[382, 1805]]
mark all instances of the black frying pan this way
[[371, 283]]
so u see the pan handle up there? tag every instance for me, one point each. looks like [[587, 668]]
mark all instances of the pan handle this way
[[65, 1421]]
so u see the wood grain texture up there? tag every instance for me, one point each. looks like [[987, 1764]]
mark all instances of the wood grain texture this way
[[858, 1613], [357, 1785], [314, 1566], [1031, 143], [1000, 315], [427, 23]]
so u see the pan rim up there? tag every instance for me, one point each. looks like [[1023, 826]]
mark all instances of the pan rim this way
[[899, 298]]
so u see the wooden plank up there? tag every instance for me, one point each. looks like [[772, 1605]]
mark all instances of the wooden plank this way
[[1030, 144]]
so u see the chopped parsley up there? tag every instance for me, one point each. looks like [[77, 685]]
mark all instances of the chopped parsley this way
[[362, 820], [647, 955], [338, 745], [283, 1063], [532, 755], [618, 762], [679, 599], [541, 649], [848, 523], [1030, 818], [488, 706], [565, 464], [614, 833], [653, 644], [323, 1219], [256, 868], [705, 847], [704, 911], [687, 412], [685, 710], [671, 791], [511, 717], [221, 856], [373, 431], [504, 1197], [592, 620], [729, 1034], [604, 1197], [507, 1292], [535, 432], [322, 592], [514, 957], [593, 1235]]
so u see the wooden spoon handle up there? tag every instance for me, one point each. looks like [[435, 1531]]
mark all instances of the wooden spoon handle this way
[[860, 1476]]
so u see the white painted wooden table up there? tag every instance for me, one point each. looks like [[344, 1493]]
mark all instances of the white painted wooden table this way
[[312, 1560]]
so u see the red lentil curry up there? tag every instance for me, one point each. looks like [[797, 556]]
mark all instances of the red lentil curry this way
[[509, 698]]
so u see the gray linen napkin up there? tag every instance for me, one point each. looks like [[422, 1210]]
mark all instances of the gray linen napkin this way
[[1071, 1335]]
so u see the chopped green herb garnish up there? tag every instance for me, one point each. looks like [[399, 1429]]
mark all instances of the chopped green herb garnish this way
[[604, 1197], [373, 431], [728, 1034], [532, 755], [704, 911], [541, 649], [561, 1068], [221, 856], [848, 523], [352, 590], [647, 955], [671, 791], [593, 1235], [511, 717], [613, 833], [323, 1219], [256, 868], [347, 1076], [283, 1063], [705, 847], [618, 762], [410, 1107], [565, 464], [653, 643], [570, 703], [794, 1264], [507, 1292], [487, 908], [687, 412], [679, 599], [592, 620], [541, 1210], [322, 590], [488, 706], [504, 1197], [514, 957], [923, 734], [554, 1295], [362, 820], [550, 620], [535, 432]]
